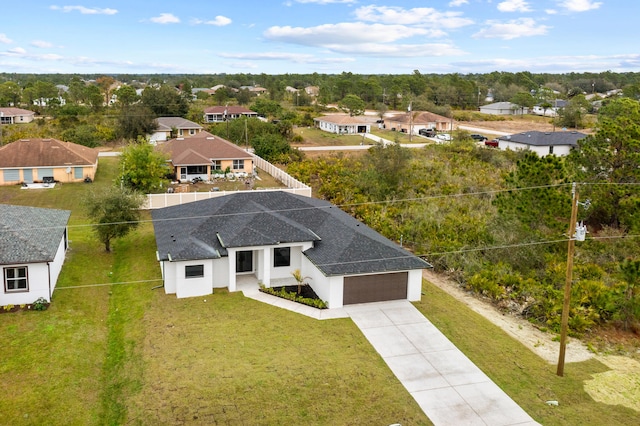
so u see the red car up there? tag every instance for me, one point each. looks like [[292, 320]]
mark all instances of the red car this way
[[493, 143]]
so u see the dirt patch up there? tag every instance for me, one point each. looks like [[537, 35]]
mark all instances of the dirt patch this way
[[620, 385], [516, 126]]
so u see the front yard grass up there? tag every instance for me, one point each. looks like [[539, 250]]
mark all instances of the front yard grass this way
[[524, 376]]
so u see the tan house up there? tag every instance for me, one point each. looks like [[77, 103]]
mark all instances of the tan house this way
[[46, 160], [344, 124], [16, 115], [204, 155], [420, 120]]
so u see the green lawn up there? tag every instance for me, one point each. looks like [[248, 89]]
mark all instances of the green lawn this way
[[527, 378], [111, 349], [317, 137]]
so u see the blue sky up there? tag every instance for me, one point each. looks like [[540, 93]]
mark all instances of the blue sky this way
[[324, 36]]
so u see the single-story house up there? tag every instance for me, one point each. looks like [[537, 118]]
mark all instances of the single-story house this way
[[504, 108], [267, 235], [174, 127], [46, 160], [10, 115], [204, 155], [33, 244], [552, 111], [419, 120], [219, 114], [542, 143], [343, 124]]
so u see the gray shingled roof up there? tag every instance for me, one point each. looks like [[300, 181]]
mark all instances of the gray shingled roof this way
[[342, 245], [536, 138], [167, 123], [30, 234]]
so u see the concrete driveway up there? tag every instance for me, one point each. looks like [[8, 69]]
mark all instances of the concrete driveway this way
[[449, 388]]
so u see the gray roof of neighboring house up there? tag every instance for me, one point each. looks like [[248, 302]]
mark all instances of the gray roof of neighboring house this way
[[342, 245], [168, 123], [536, 138], [501, 106], [30, 234]]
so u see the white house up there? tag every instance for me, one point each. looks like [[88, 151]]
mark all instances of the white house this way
[[344, 124], [33, 243], [266, 235], [552, 111], [220, 114], [503, 108], [11, 115], [174, 127], [542, 143]]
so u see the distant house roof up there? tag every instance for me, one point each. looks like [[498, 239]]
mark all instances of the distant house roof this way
[[342, 245], [346, 119], [29, 234], [536, 138], [46, 153], [501, 106], [422, 117], [15, 112], [232, 109], [168, 123], [201, 149]]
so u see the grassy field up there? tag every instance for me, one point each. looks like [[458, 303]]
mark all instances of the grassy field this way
[[111, 349], [317, 137]]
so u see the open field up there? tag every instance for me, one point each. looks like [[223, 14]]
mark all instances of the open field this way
[[111, 349]]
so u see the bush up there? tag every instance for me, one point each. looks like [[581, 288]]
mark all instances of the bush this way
[[40, 304]]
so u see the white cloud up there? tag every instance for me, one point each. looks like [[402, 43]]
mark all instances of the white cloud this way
[[523, 27], [456, 3], [85, 10], [342, 33], [4, 39], [579, 5], [218, 21], [416, 16], [398, 50], [514, 6], [41, 44], [17, 51], [166, 18], [280, 56], [551, 11]]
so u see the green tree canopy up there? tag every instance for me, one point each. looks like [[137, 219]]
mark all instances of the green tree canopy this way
[[352, 104], [136, 120], [609, 160], [143, 169], [114, 213], [165, 101]]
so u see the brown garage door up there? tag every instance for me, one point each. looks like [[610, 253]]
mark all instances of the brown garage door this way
[[375, 288]]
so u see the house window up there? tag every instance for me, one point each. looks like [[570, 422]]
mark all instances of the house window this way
[[216, 165], [551, 149], [15, 279], [238, 164], [192, 131], [196, 170], [194, 271], [282, 256], [181, 132]]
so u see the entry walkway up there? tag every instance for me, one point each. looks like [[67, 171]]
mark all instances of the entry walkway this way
[[449, 388]]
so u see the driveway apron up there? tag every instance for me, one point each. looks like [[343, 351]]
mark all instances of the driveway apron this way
[[449, 388]]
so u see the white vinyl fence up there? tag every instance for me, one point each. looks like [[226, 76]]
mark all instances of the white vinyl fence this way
[[158, 201]]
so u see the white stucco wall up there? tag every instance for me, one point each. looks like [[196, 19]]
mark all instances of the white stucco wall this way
[[414, 287], [38, 276], [220, 273], [176, 282], [558, 150], [56, 266], [328, 289]]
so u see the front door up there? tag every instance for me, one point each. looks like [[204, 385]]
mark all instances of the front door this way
[[244, 261], [183, 173]]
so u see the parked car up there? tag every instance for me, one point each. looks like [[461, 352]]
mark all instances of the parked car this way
[[494, 143], [427, 132], [443, 136], [479, 138]]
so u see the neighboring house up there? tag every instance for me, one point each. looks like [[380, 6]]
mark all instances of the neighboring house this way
[[266, 235], [174, 127], [46, 160], [312, 90], [33, 243], [344, 124], [256, 90], [219, 114], [204, 155], [12, 115], [503, 108], [420, 120], [552, 111], [542, 143]]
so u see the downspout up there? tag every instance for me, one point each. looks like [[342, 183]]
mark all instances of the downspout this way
[[49, 273]]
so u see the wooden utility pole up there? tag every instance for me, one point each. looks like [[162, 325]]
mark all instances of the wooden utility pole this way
[[569, 278]]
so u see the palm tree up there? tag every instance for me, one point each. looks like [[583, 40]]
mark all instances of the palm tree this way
[[297, 275]]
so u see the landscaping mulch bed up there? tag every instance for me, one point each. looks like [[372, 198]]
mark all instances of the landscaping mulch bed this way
[[306, 292]]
